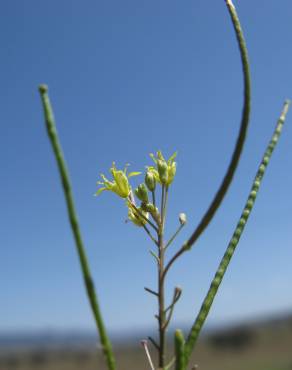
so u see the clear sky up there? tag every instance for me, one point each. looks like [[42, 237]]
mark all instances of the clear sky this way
[[127, 78]]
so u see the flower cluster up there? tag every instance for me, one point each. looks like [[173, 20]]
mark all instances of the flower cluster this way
[[162, 172], [165, 170]]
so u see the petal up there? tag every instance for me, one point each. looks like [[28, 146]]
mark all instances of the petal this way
[[122, 184], [100, 191], [153, 157], [126, 168], [131, 174], [160, 156], [113, 169], [171, 159], [106, 182], [117, 174]]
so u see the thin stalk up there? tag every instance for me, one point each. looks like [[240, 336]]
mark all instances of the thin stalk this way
[[162, 202], [151, 291], [153, 198], [153, 254], [170, 308], [221, 192], [156, 346], [165, 207], [150, 235], [145, 346], [64, 174], [207, 303], [174, 236]]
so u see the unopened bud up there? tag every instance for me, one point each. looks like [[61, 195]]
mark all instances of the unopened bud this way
[[142, 193], [182, 218], [150, 181], [139, 217], [177, 293], [163, 171], [171, 172], [149, 207]]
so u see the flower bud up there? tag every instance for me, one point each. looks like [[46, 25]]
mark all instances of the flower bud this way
[[138, 218], [171, 172], [163, 171], [182, 218], [149, 207], [166, 170], [177, 294], [142, 193], [150, 180]]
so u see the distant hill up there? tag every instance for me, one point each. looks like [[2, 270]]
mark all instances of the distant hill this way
[[80, 338]]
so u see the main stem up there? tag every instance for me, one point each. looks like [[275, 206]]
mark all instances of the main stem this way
[[161, 303], [161, 295]]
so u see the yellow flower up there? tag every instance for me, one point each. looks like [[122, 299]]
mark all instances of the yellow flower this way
[[165, 171], [120, 183]]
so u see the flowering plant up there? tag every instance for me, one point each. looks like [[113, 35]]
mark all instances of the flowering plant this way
[[151, 216]]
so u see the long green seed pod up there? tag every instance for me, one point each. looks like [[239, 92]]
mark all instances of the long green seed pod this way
[[207, 303], [241, 137], [221, 192], [64, 174]]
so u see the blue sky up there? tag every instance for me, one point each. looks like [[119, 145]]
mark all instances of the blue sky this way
[[127, 78]]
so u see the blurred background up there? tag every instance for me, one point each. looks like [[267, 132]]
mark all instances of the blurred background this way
[[127, 78]]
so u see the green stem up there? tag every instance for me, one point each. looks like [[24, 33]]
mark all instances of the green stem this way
[[161, 293], [161, 305], [153, 198], [150, 235], [241, 137], [162, 202], [207, 303], [165, 206], [64, 174]]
